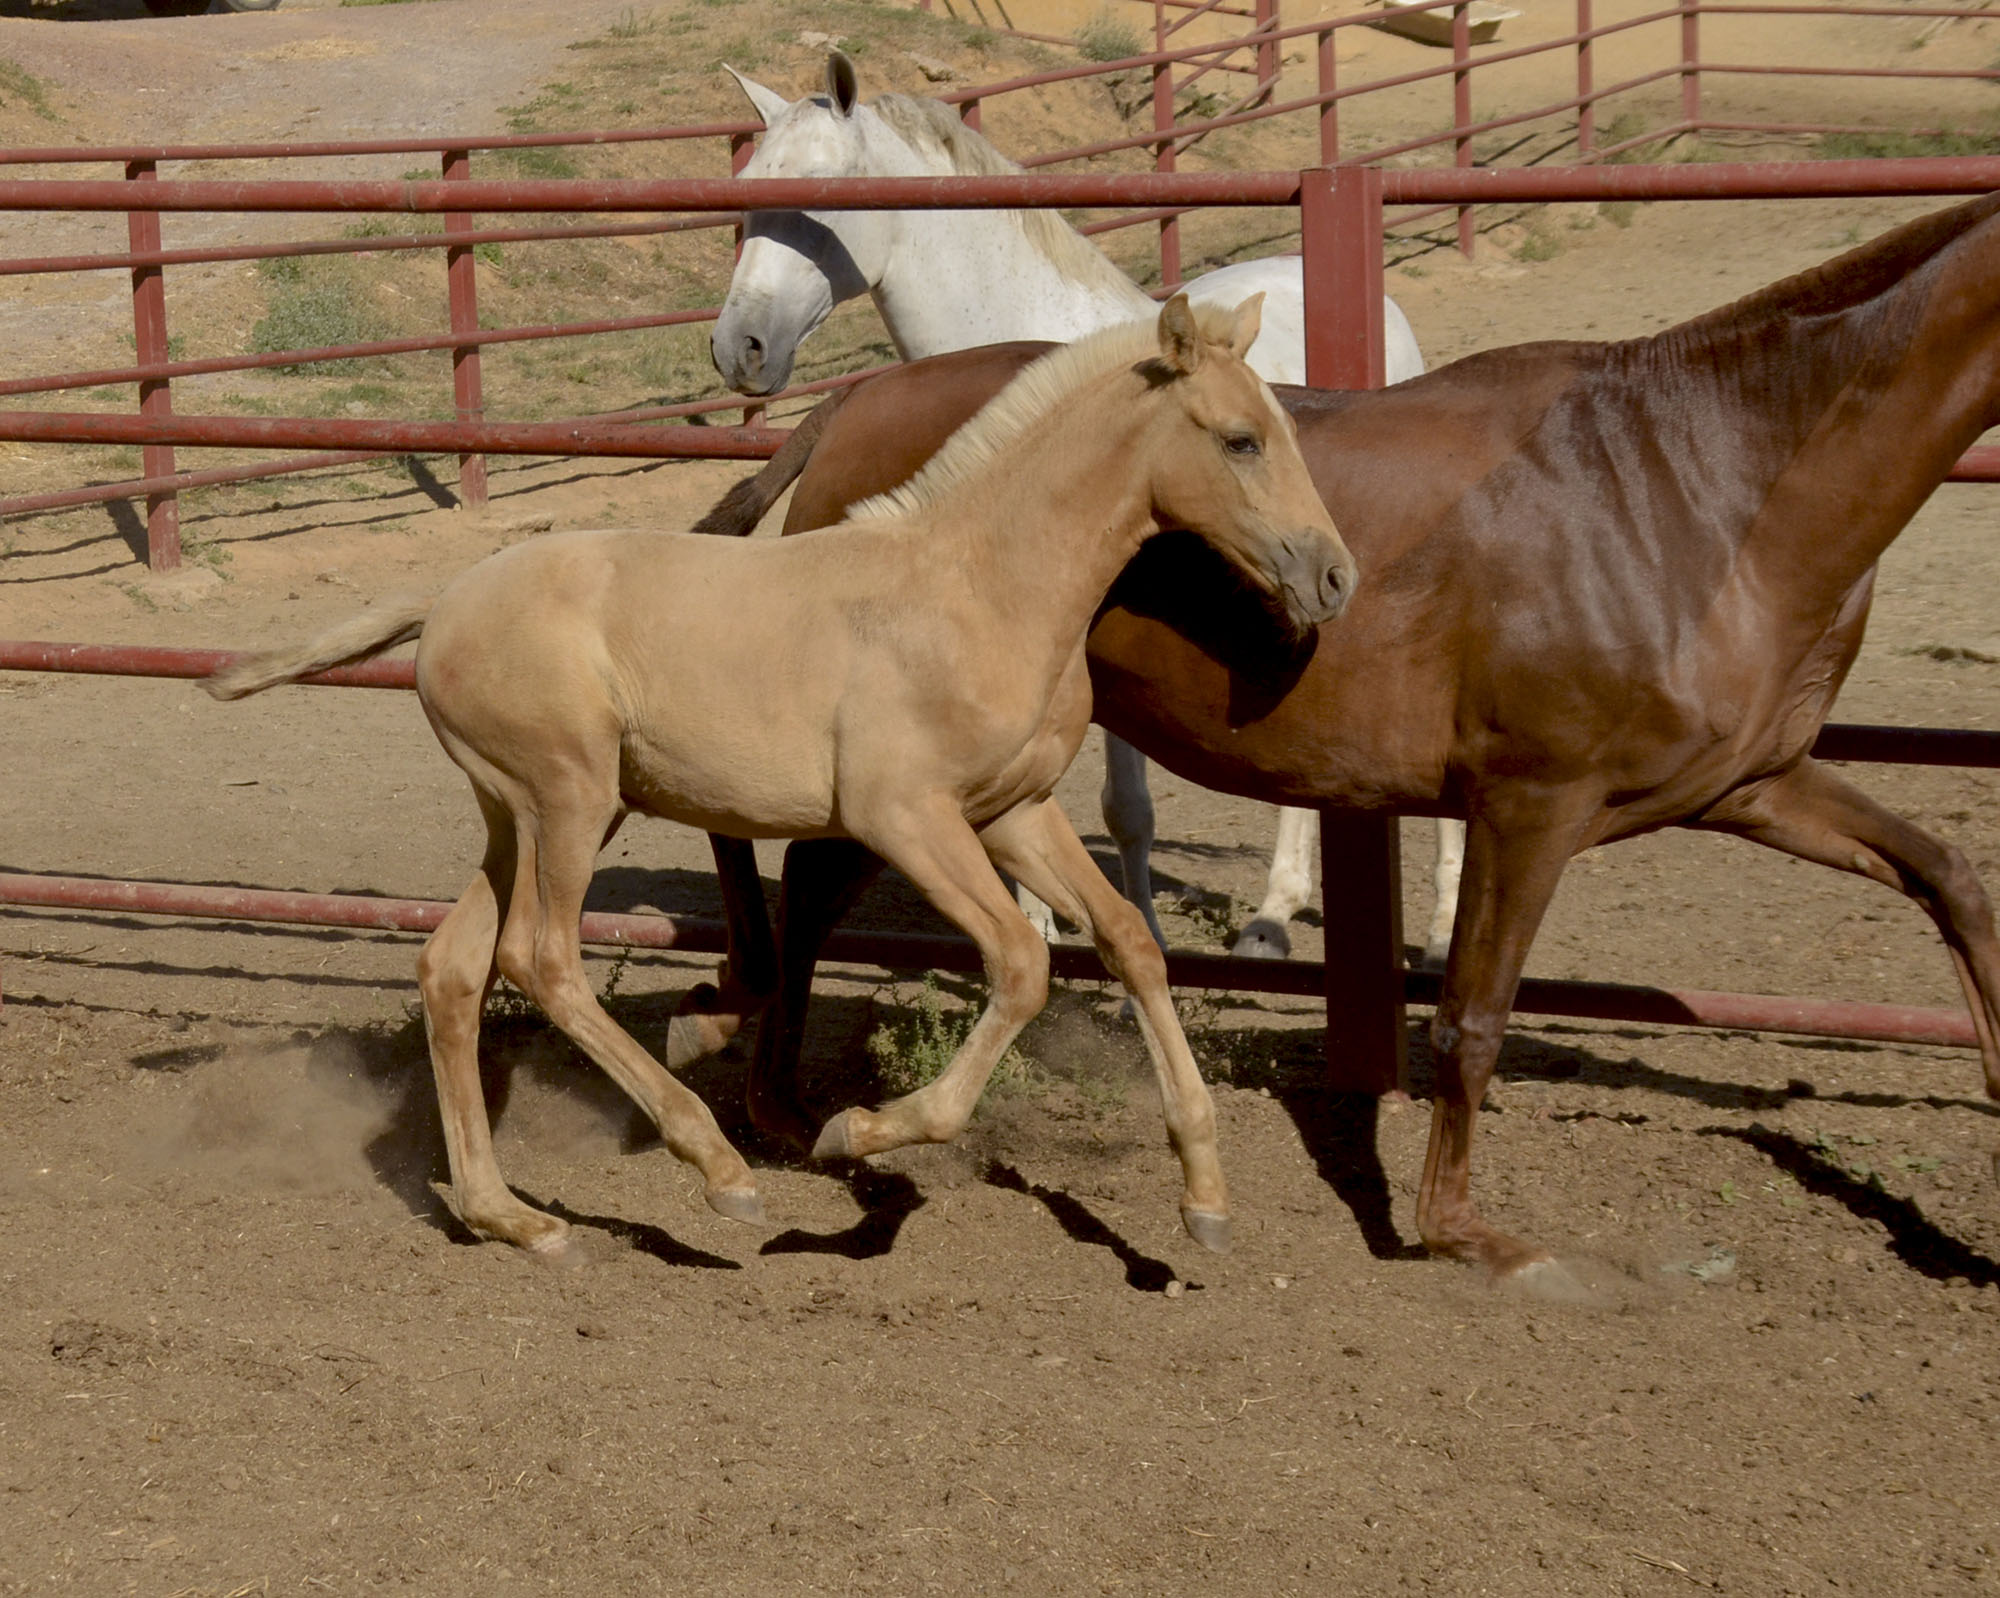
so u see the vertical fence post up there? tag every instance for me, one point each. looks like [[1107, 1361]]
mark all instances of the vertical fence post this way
[[1586, 111], [462, 289], [1367, 1044], [741, 149], [1329, 108], [1461, 108], [1266, 24], [1163, 154], [1691, 62], [149, 339]]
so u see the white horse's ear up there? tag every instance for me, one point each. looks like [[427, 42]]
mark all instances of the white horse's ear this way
[[1244, 324], [767, 103], [841, 83], [1180, 338]]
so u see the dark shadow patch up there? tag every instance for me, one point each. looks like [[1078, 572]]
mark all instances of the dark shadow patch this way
[[184, 1058], [642, 1236], [1339, 1131], [887, 1199], [1143, 1273], [1913, 1237]]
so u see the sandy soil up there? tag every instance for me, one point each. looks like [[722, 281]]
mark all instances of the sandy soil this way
[[243, 1348]]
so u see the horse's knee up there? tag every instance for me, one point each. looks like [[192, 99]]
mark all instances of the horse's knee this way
[[1020, 982]]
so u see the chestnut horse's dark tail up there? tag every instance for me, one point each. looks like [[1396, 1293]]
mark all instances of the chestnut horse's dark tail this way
[[739, 511]]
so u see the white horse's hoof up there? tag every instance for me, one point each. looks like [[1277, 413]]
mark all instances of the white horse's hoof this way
[[1262, 939]]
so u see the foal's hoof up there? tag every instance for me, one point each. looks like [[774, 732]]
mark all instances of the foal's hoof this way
[[739, 1204], [836, 1140], [1262, 939], [1207, 1228]]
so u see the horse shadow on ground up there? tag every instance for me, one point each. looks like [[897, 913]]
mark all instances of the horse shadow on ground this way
[[1340, 1130]]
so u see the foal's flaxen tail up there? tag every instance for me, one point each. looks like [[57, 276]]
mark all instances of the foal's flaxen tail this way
[[738, 512], [394, 621]]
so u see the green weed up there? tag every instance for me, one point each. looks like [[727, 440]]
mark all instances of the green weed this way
[[915, 1048], [18, 86], [1108, 38], [310, 314]]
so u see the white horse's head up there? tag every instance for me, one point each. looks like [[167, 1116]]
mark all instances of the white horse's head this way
[[797, 265]]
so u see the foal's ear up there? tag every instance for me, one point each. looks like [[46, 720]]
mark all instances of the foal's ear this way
[[767, 103], [1243, 325], [841, 83], [1180, 339]]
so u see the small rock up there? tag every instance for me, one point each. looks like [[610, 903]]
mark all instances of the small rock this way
[[1281, 1282], [1174, 1288]]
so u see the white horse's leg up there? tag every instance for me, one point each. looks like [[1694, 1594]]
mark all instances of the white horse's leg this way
[[1266, 936], [1039, 915], [1128, 817], [1444, 879]]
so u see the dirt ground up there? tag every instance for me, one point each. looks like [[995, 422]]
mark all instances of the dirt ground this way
[[244, 1349]]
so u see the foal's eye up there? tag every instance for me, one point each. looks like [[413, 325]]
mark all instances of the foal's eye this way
[[1243, 444]]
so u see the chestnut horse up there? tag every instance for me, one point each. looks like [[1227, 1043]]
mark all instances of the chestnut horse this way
[[913, 679], [1606, 588]]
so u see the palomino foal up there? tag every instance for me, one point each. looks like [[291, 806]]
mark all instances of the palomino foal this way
[[913, 679]]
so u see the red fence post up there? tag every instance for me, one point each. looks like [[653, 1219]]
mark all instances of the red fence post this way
[[1367, 1043], [741, 147], [149, 337], [1461, 108], [1267, 48], [1329, 108], [462, 289], [1163, 155], [1586, 111], [1691, 62]]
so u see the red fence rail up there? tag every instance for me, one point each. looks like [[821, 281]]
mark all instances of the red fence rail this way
[[1341, 226]]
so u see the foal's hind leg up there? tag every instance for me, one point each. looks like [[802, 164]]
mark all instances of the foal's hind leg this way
[[1814, 814], [941, 855], [541, 953], [1038, 845], [455, 973]]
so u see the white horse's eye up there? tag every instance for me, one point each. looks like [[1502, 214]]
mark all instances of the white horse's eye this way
[[1243, 444]]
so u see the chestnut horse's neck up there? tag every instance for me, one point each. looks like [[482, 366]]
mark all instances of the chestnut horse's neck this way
[[1844, 395]]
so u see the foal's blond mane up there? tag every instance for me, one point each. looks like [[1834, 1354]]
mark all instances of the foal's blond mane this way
[[1036, 391], [936, 129]]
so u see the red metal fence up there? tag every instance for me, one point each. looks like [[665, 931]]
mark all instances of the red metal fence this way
[[1341, 224]]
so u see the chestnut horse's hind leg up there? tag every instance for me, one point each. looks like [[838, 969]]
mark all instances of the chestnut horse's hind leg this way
[[823, 878], [1037, 844], [1510, 876], [1814, 814], [540, 952]]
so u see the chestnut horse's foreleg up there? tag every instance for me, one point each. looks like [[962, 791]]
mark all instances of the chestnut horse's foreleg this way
[[455, 973], [541, 953], [1510, 876], [1040, 847], [1811, 812], [823, 878], [934, 847], [713, 1013], [1127, 803]]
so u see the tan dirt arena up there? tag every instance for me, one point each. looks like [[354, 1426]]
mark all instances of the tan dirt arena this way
[[244, 1349]]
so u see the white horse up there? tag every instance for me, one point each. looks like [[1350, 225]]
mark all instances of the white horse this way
[[949, 280]]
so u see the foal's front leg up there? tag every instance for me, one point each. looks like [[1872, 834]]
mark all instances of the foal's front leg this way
[[1039, 846], [932, 845]]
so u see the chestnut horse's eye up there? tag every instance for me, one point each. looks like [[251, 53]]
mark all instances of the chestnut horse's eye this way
[[1243, 444]]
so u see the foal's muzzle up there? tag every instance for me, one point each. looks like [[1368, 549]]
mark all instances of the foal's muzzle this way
[[1315, 578]]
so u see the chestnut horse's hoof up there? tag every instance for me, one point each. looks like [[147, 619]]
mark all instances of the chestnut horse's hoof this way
[[739, 1204], [1207, 1228], [1262, 939]]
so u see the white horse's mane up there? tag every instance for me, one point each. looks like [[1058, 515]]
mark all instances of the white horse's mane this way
[[1035, 391], [935, 128]]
